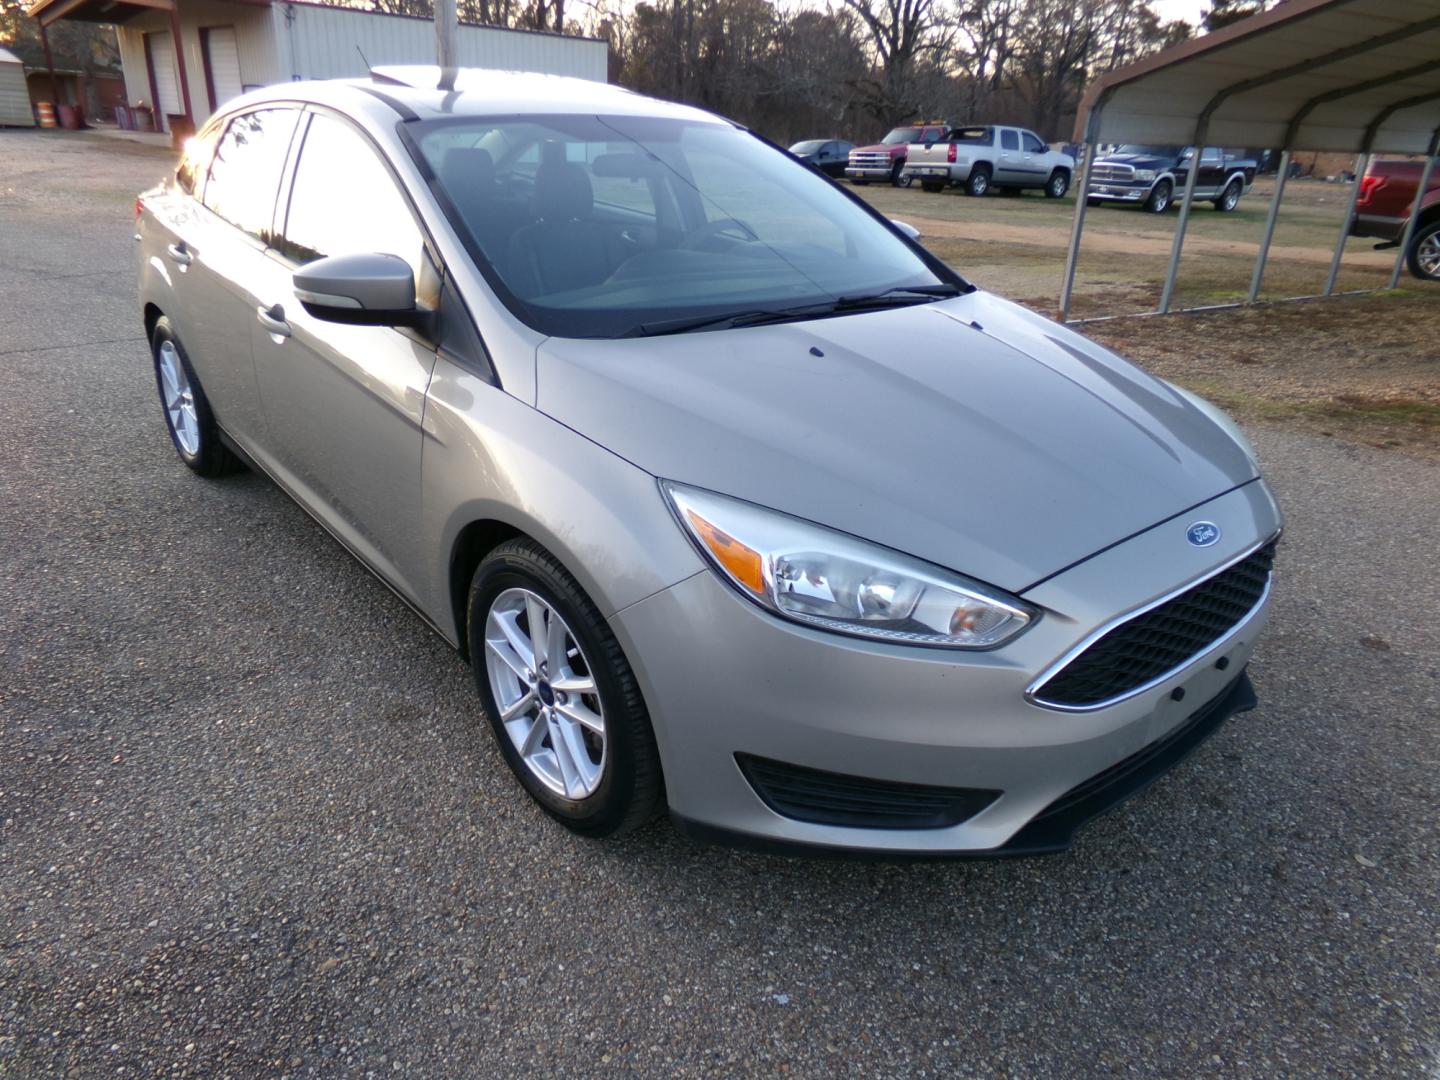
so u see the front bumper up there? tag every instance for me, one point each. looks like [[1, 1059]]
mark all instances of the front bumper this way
[[868, 172], [722, 678], [1119, 192]]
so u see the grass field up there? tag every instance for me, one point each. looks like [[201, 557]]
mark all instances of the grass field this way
[[1015, 245]]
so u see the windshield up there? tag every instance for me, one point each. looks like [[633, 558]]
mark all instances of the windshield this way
[[902, 135], [592, 226], [807, 147], [1143, 150]]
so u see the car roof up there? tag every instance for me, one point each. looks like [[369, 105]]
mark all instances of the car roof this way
[[475, 92]]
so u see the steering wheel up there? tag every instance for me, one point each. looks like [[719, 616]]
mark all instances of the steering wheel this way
[[720, 227]]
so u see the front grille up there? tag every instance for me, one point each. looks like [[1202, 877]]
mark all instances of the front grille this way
[[870, 161], [826, 798], [1112, 173], [1159, 641]]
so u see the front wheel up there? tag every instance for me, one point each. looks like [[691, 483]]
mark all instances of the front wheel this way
[[1057, 185], [979, 183], [1424, 254], [898, 176], [192, 427], [560, 695], [1160, 195], [1229, 198]]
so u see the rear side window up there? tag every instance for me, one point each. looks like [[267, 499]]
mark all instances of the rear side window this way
[[190, 175], [973, 136], [1009, 140], [245, 172], [345, 202], [1033, 144]]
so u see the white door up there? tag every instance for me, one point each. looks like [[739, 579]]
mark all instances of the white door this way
[[167, 86], [224, 56]]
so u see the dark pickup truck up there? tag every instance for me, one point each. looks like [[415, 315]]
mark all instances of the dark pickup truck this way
[[1382, 209], [1152, 176]]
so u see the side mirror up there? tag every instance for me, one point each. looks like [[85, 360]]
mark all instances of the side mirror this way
[[908, 229], [363, 290]]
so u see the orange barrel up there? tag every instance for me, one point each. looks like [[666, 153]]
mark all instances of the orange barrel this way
[[46, 112]]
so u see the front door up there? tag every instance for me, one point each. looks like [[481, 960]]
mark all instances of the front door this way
[[343, 404]]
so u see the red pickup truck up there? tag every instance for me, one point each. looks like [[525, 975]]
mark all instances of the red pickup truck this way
[[1387, 194]]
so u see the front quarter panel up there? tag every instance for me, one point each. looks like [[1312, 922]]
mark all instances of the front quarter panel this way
[[489, 457]]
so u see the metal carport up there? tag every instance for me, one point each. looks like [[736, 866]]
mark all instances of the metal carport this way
[[1361, 76]]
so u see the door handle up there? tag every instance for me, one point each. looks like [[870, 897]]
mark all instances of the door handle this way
[[273, 320], [180, 254]]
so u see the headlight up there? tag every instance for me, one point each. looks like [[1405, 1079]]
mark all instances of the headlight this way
[[1145, 175], [824, 578]]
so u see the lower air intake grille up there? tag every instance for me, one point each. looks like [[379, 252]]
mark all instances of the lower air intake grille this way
[[1162, 639], [826, 798]]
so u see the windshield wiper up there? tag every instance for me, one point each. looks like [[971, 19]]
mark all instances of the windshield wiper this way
[[900, 296]]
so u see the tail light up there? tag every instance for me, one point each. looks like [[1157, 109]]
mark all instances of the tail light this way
[[1369, 185], [950, 153]]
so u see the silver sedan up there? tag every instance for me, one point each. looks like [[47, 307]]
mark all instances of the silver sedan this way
[[736, 499]]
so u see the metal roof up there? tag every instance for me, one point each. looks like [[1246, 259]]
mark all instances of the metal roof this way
[[1344, 75]]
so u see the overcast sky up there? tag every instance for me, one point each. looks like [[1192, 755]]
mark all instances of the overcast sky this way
[[1189, 10]]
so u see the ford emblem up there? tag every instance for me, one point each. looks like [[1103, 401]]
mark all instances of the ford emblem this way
[[1203, 533]]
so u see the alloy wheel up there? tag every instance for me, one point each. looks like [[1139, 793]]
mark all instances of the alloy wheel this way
[[179, 398], [1428, 255], [545, 691]]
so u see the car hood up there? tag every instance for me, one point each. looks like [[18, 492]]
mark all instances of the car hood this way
[[877, 148], [1139, 161], [969, 432]]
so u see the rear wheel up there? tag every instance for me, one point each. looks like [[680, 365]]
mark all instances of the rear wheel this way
[[1160, 195], [1057, 185], [979, 183], [561, 697], [1424, 254], [192, 427], [1229, 198]]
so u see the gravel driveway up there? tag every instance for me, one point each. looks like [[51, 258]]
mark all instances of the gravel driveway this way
[[252, 824]]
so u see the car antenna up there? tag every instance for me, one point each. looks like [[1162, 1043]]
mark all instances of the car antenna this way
[[368, 69]]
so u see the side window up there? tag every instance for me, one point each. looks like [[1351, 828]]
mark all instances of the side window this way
[[343, 201], [245, 173], [1009, 140], [1033, 145], [934, 134], [1211, 155], [190, 174]]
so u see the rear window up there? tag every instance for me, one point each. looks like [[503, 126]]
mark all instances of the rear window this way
[[973, 136], [1009, 140]]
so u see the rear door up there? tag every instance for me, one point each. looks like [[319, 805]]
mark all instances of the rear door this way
[[1036, 156], [1010, 161], [224, 247], [343, 404], [1212, 172]]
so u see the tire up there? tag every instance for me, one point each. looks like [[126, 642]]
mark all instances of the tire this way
[[1423, 258], [1229, 198], [1090, 200], [979, 183], [188, 418], [1160, 197], [932, 186], [1057, 185], [624, 788], [898, 177], [859, 182]]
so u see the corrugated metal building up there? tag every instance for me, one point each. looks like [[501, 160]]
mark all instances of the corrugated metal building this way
[[15, 108], [226, 46]]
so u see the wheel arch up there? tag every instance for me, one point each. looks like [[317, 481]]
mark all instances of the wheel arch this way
[[152, 315], [472, 543]]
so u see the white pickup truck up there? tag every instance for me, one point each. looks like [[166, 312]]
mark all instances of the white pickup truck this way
[[985, 156]]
